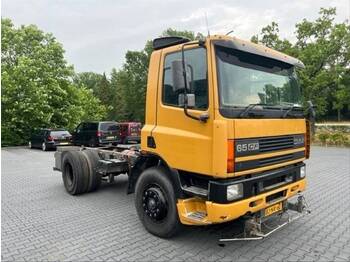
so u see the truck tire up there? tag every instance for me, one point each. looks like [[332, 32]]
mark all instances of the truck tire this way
[[155, 203], [75, 172], [94, 178]]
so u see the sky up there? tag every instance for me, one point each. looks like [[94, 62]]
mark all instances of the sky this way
[[97, 33]]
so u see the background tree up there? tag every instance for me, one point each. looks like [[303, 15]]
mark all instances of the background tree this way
[[130, 82], [36, 85], [89, 80]]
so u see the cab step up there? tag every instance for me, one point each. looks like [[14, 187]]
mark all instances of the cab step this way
[[198, 216], [196, 191]]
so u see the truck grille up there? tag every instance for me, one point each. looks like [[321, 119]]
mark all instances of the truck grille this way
[[276, 196], [256, 163], [275, 143], [275, 159], [260, 145]]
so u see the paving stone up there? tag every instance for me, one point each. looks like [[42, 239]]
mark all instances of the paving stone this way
[[40, 221]]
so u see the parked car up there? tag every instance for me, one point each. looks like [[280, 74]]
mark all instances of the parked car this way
[[50, 138], [96, 134], [130, 132]]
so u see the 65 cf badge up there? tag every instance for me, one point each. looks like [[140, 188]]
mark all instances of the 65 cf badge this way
[[246, 147]]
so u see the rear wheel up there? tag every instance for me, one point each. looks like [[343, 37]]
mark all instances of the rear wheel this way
[[75, 172], [155, 203], [94, 177]]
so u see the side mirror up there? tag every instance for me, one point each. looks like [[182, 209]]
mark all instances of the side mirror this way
[[311, 110], [191, 100], [262, 97], [178, 76]]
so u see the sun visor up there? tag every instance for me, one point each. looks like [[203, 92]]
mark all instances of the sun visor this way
[[259, 50]]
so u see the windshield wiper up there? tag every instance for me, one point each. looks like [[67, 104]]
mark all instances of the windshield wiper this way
[[248, 108], [290, 109]]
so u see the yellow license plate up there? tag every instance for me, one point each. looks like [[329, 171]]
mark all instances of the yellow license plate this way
[[110, 137], [273, 209], [63, 143]]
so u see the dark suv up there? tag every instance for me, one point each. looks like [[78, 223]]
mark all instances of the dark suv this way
[[50, 138], [96, 134]]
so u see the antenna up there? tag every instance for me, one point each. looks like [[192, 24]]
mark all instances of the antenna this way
[[206, 21], [229, 32]]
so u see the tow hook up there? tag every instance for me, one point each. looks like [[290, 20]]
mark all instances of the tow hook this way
[[258, 227], [300, 206]]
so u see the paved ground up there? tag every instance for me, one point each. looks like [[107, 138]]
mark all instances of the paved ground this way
[[40, 221]]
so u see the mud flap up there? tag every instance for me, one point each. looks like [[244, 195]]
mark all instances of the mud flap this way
[[257, 227]]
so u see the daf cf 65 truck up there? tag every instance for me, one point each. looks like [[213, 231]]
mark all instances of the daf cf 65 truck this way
[[225, 137]]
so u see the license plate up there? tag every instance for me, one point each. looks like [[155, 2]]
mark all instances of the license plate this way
[[63, 143], [110, 137], [273, 209]]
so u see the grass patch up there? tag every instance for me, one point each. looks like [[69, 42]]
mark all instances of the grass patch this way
[[332, 136]]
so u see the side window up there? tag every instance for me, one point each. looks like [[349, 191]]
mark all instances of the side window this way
[[80, 127], [197, 60], [42, 133], [91, 126]]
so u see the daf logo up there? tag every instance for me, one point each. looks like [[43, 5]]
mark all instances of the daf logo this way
[[298, 140]]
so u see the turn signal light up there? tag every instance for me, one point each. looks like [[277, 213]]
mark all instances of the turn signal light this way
[[230, 156], [307, 139]]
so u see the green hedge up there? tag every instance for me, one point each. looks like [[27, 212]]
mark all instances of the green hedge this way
[[332, 138]]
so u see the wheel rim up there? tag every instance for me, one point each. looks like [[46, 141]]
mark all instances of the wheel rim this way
[[30, 144], [69, 174], [43, 146], [154, 203]]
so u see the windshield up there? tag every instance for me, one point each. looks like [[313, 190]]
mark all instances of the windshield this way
[[59, 133], [246, 79], [109, 126]]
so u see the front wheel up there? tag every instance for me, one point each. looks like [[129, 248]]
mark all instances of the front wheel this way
[[155, 203]]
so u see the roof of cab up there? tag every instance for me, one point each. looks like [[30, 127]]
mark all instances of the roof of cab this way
[[235, 43], [258, 49]]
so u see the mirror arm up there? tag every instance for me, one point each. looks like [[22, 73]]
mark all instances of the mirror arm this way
[[202, 118], [311, 111]]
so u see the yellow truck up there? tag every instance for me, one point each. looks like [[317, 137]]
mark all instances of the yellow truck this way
[[225, 137]]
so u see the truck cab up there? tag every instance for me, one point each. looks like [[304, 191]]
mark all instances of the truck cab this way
[[232, 130]]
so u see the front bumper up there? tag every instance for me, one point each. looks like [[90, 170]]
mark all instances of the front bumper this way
[[255, 185], [195, 211]]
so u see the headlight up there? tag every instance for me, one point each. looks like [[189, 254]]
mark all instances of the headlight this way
[[234, 191], [302, 171]]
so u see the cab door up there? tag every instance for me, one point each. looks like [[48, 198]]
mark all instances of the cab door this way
[[184, 143]]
